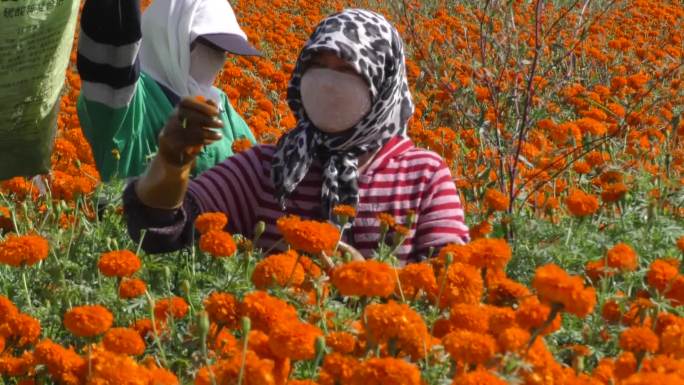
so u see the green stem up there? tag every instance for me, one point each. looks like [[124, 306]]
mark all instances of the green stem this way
[[26, 289]]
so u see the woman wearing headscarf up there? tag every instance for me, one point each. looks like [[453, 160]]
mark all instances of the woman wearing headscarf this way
[[136, 68], [351, 98]]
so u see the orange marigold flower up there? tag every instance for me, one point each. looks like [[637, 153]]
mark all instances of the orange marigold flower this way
[[132, 288], [23, 250], [144, 327], [463, 285], [123, 341], [532, 314], [500, 319], [23, 328], [207, 222], [495, 200], [64, 365], [266, 311], [387, 220], [490, 253], [344, 211], [480, 230], [380, 371], [175, 307], [613, 192], [505, 291], [17, 366], [88, 321], [280, 270], [294, 340], [469, 347], [341, 342], [661, 274], [611, 311], [622, 257], [554, 285], [308, 236], [676, 290], [241, 145], [459, 254], [106, 367], [680, 243], [653, 378], [401, 325], [119, 263], [672, 340], [471, 317], [625, 365], [6, 223], [416, 278], [478, 377], [513, 339], [581, 204], [639, 339], [7, 309], [223, 309], [218, 243], [337, 369], [364, 278]]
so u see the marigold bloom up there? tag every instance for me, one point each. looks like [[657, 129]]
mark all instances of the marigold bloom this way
[[344, 211], [119, 263], [469, 347], [23, 250], [111, 368], [145, 329], [581, 204], [241, 145], [308, 236], [207, 222], [622, 257], [661, 274], [382, 371], [532, 314], [7, 309], [341, 342], [680, 243], [513, 339], [471, 317], [130, 288], [123, 341], [294, 340], [490, 253], [280, 270], [495, 200], [505, 291], [175, 307], [463, 284], [459, 254], [218, 243], [6, 223], [364, 278], [478, 377], [266, 311], [22, 328], [613, 192], [611, 311], [554, 285], [337, 369], [417, 277], [88, 321], [639, 339], [64, 365], [672, 340], [401, 325], [387, 220], [223, 309]]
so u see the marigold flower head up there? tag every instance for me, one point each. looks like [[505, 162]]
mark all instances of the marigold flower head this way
[[478, 377], [364, 278], [401, 325], [6, 223], [111, 368], [480, 230], [265, 311], [223, 309], [308, 236], [344, 211], [639, 339], [175, 307], [280, 270], [23, 329], [145, 328], [490, 253], [130, 288], [416, 278], [611, 311], [672, 340], [17, 366], [613, 192], [581, 204], [207, 222], [470, 347], [513, 339], [532, 314], [379, 371], [88, 321], [7, 309], [622, 257], [119, 263], [625, 365], [471, 317], [64, 365], [241, 145], [463, 284], [495, 200], [341, 342], [123, 341], [661, 274], [387, 220], [505, 291], [554, 285], [680, 243], [294, 340], [218, 243], [337, 368], [459, 254], [23, 250]]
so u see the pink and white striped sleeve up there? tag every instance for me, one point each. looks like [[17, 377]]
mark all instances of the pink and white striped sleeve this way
[[441, 218]]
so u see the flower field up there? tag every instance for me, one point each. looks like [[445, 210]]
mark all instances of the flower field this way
[[562, 124]]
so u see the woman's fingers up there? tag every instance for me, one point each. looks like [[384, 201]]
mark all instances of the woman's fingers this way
[[193, 119], [355, 254], [208, 107]]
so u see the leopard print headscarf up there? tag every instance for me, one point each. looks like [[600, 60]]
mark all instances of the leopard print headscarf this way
[[368, 42]]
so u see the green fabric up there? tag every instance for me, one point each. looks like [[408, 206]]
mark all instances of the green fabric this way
[[132, 131]]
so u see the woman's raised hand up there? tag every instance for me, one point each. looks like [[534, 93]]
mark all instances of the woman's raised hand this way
[[189, 129]]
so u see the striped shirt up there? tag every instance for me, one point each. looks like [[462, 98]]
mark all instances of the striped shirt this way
[[401, 178]]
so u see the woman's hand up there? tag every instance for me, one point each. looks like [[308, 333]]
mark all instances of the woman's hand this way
[[188, 129], [343, 248]]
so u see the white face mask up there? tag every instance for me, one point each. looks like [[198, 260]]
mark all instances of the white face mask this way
[[205, 64], [334, 101]]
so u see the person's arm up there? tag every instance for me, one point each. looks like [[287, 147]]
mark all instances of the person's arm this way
[[108, 46], [441, 218]]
